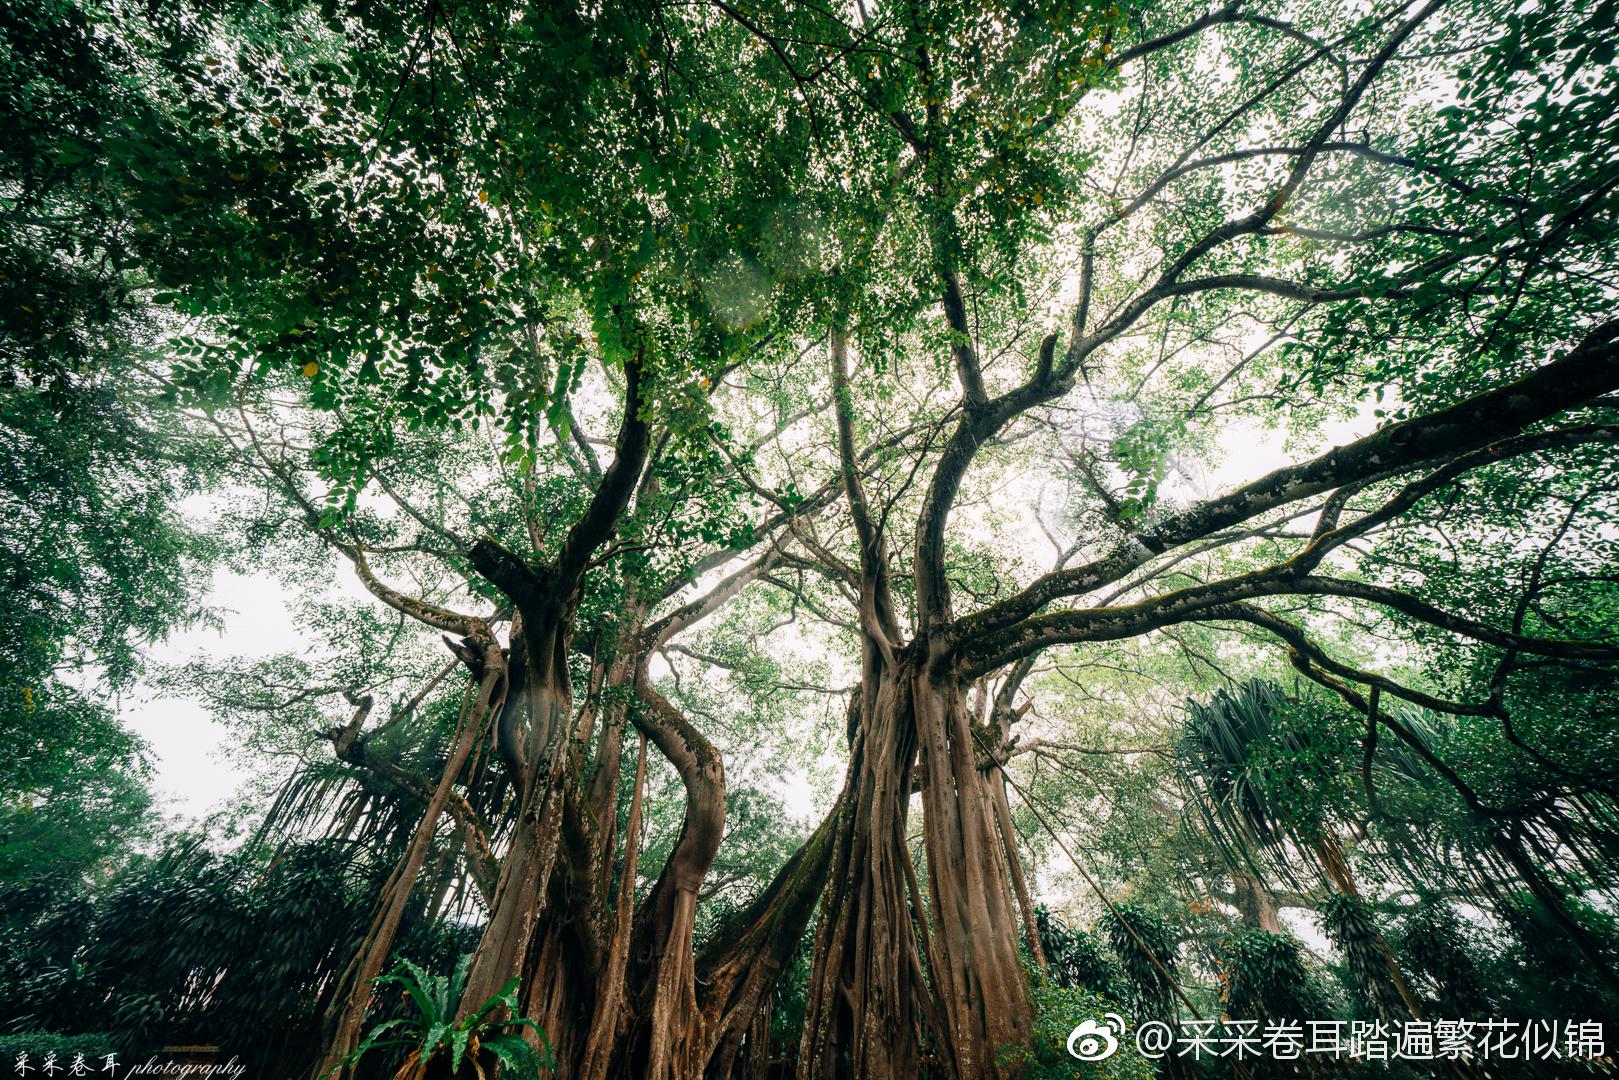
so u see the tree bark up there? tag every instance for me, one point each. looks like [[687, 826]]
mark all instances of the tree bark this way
[[674, 1032], [1014, 865], [1255, 903], [521, 893], [607, 1025], [756, 1066], [977, 971], [866, 993], [373, 954]]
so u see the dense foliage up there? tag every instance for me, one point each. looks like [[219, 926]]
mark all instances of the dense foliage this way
[[823, 540]]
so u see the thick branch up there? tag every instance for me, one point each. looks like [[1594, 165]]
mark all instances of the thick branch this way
[[1587, 371], [658, 634], [617, 484]]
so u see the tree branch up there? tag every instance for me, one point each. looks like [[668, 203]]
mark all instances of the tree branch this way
[[1588, 370]]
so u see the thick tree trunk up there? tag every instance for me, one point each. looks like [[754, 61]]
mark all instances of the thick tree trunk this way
[[522, 891], [866, 992], [978, 974], [575, 980], [569, 956], [674, 1032], [608, 1023], [756, 1065], [1255, 904], [559, 977], [869, 1004], [571, 963], [629, 1004]]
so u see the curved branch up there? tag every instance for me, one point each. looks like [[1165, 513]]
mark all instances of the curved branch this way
[[1417, 608], [438, 618], [701, 771], [1227, 14], [1111, 623]]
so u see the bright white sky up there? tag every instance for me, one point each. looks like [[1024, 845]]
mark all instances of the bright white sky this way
[[192, 776]]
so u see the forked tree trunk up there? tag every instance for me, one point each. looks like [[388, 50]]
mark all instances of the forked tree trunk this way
[[867, 989], [627, 1004], [547, 599]]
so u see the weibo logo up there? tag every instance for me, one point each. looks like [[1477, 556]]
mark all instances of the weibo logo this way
[[1095, 1040]]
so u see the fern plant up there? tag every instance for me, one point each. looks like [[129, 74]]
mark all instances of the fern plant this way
[[439, 1042]]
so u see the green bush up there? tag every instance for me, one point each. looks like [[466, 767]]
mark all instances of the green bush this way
[[36, 1044], [1057, 1009], [1263, 977], [1078, 958], [1147, 949]]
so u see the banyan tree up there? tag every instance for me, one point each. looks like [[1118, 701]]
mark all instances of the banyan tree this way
[[634, 396]]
